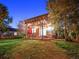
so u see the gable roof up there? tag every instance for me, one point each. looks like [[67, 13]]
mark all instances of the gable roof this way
[[37, 18]]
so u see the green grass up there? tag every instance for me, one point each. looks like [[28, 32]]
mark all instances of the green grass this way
[[6, 46], [37, 49], [72, 48]]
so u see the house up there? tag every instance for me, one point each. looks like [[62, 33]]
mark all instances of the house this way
[[10, 33], [38, 27]]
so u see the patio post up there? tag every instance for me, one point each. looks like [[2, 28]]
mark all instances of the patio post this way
[[26, 30], [33, 31], [42, 30]]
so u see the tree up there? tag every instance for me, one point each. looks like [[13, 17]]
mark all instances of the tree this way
[[62, 10], [4, 18]]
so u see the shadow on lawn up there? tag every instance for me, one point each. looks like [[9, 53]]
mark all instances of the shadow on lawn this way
[[72, 48]]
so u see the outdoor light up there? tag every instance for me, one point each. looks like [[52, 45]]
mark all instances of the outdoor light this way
[[50, 27], [29, 24], [63, 27], [15, 33]]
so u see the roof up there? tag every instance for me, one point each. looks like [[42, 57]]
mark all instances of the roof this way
[[37, 18], [12, 29]]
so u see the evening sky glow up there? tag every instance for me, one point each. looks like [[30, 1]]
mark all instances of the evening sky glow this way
[[24, 9]]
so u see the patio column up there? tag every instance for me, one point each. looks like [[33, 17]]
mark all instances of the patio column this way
[[32, 30], [42, 30], [26, 30]]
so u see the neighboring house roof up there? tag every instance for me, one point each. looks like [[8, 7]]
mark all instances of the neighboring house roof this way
[[12, 29]]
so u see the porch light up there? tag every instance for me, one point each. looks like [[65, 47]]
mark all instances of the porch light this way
[[50, 28]]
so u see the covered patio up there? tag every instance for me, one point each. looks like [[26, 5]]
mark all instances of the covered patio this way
[[38, 28]]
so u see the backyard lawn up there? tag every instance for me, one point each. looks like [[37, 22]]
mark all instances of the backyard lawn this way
[[38, 49], [6, 46]]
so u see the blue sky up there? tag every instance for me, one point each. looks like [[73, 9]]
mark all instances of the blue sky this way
[[24, 9]]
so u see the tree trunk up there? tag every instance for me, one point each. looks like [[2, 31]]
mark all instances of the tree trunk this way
[[65, 29]]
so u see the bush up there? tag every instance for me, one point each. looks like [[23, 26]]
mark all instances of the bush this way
[[72, 35]]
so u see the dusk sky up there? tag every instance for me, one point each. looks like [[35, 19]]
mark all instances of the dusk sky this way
[[24, 9]]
